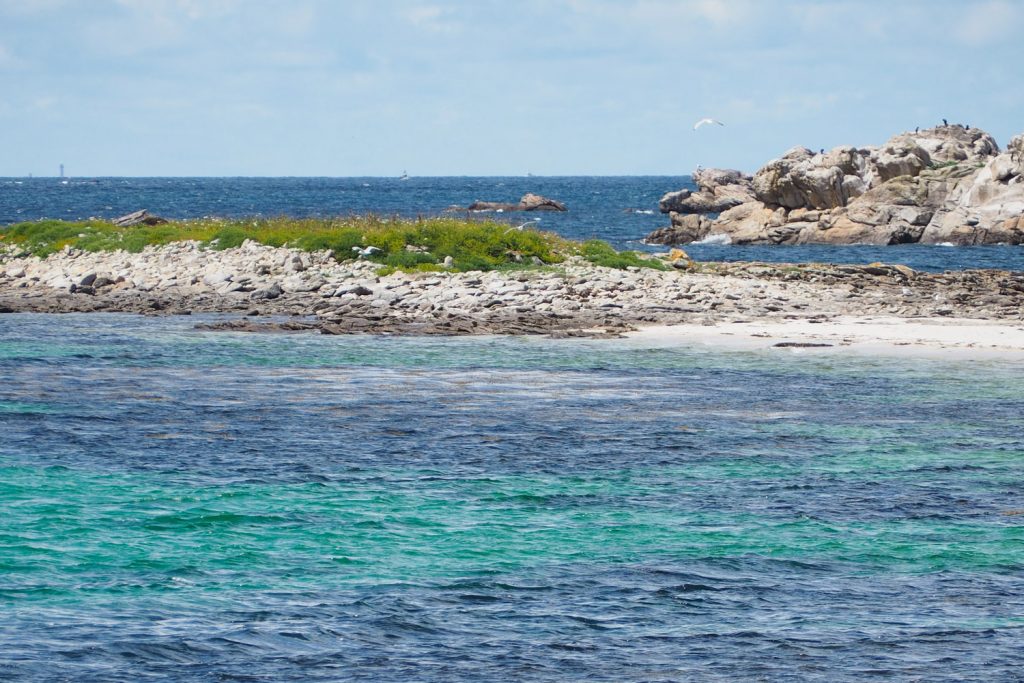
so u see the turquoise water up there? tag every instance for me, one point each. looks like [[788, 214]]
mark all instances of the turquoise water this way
[[186, 505]]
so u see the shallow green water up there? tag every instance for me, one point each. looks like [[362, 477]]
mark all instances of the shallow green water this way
[[195, 506]]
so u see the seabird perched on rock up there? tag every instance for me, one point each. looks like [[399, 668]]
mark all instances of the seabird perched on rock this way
[[945, 122]]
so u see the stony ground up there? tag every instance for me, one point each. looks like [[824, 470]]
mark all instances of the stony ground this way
[[575, 298]]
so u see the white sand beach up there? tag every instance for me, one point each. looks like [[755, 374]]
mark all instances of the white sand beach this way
[[870, 335]]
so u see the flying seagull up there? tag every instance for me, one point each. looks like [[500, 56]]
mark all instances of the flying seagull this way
[[367, 251], [706, 121], [524, 225]]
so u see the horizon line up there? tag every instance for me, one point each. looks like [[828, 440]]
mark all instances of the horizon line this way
[[340, 177]]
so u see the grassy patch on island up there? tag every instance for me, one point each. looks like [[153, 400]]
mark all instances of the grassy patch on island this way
[[424, 244]]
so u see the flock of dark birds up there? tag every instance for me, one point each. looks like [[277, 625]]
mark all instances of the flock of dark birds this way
[[965, 126], [917, 129]]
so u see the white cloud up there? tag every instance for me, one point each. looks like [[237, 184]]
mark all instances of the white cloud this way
[[297, 21], [431, 18], [7, 60], [142, 25], [131, 35], [988, 22], [26, 7], [802, 104], [192, 10], [422, 15], [669, 14], [297, 58], [44, 103], [722, 12]]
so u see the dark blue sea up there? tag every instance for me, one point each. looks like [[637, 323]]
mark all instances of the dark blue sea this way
[[621, 210]]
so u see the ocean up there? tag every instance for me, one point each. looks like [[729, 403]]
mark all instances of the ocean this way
[[621, 210], [186, 505]]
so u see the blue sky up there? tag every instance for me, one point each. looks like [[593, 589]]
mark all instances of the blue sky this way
[[482, 87]]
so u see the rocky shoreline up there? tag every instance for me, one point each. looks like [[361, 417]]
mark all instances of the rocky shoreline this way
[[259, 285], [944, 185]]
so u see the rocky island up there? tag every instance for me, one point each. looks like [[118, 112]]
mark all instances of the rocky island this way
[[528, 202], [453, 276], [944, 185], [266, 288]]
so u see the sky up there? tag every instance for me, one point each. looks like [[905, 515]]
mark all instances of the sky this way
[[488, 87]]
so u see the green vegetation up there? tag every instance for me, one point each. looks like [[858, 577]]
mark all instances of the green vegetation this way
[[423, 244], [601, 253]]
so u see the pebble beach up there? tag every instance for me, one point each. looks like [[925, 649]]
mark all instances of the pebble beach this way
[[264, 288]]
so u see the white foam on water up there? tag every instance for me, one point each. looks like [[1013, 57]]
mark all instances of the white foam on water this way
[[715, 238]]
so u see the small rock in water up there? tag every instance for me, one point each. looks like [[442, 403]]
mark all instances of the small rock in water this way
[[800, 345]]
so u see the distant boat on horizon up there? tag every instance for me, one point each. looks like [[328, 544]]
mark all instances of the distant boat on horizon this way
[[404, 176]]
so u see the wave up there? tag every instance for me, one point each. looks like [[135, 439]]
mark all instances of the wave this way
[[715, 238]]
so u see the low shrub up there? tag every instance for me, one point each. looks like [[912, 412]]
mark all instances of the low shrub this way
[[422, 244], [600, 253]]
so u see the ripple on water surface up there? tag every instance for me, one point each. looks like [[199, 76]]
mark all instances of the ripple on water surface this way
[[189, 505]]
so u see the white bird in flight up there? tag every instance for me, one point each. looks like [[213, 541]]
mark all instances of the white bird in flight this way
[[703, 122], [523, 226], [367, 251]]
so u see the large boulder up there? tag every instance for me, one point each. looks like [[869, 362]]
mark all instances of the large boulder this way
[[534, 202], [718, 190], [942, 184], [898, 157], [529, 202], [953, 143], [942, 146], [895, 212], [140, 217], [801, 179], [828, 180], [985, 207], [674, 201], [752, 223], [479, 205], [685, 228]]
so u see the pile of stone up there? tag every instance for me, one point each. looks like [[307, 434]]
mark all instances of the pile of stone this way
[[943, 185], [574, 298]]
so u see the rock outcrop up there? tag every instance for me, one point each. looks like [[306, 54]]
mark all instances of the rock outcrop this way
[[947, 184], [986, 207], [529, 202], [718, 190], [802, 179], [140, 217]]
